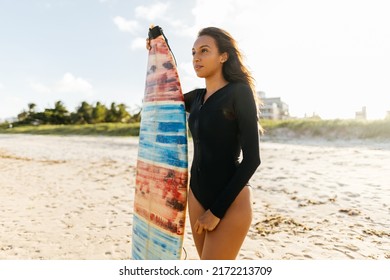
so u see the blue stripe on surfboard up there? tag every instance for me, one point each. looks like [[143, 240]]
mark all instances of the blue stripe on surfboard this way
[[163, 106], [164, 139], [153, 244], [171, 154], [164, 127], [163, 135], [169, 139], [163, 112], [172, 126]]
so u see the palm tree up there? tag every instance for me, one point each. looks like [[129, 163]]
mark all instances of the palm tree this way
[[60, 114], [31, 108], [84, 113], [99, 113]]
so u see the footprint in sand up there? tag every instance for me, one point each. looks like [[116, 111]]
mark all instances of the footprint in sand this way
[[277, 223], [350, 212], [378, 233]]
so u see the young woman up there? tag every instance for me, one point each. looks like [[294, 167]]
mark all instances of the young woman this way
[[223, 122]]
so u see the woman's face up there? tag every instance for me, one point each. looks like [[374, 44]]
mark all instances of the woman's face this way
[[206, 59]]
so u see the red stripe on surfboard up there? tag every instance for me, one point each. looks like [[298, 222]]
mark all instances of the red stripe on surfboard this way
[[162, 79], [159, 46], [156, 173], [161, 196]]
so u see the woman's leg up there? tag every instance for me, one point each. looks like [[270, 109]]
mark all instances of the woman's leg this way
[[225, 241], [195, 211]]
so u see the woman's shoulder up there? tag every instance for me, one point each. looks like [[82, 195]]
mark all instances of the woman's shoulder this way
[[195, 91], [239, 90], [239, 86], [193, 94], [191, 97]]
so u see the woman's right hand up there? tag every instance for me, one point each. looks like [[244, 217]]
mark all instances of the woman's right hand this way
[[207, 222], [148, 46]]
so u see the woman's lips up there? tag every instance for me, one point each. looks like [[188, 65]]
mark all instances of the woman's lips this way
[[197, 67]]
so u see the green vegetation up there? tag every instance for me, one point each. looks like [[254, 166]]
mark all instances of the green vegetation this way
[[329, 129], [97, 119], [85, 114], [102, 129]]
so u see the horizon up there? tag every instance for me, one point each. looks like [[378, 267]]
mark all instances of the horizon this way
[[136, 109], [325, 58]]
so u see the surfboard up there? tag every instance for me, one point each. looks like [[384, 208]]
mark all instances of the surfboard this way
[[162, 165]]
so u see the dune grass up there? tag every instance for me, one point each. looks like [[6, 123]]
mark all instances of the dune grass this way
[[330, 129], [102, 129]]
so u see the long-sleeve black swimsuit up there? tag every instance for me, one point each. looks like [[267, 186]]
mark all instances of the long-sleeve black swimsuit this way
[[222, 127]]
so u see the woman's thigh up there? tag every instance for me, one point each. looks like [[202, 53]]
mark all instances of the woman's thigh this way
[[226, 240], [195, 210]]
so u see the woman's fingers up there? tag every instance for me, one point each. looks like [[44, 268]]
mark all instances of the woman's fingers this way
[[198, 227], [206, 222], [148, 46]]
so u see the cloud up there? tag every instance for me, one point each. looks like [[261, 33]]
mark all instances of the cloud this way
[[125, 25], [180, 28], [1, 86], [138, 43], [151, 12], [143, 13], [68, 84]]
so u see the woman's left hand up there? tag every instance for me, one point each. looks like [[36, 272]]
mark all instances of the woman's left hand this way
[[206, 222]]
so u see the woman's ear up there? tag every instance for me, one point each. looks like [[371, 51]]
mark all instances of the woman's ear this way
[[224, 57]]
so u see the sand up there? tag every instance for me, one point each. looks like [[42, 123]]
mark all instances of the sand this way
[[71, 198]]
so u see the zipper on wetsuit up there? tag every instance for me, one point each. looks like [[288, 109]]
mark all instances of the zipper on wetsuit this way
[[197, 140], [197, 143]]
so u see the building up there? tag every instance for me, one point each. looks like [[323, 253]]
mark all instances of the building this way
[[361, 115], [273, 108]]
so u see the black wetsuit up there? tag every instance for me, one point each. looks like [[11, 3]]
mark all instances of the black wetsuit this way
[[222, 127]]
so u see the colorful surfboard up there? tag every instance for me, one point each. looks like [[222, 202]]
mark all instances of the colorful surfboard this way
[[162, 166]]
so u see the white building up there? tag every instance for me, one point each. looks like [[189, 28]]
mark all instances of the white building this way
[[361, 115], [273, 108]]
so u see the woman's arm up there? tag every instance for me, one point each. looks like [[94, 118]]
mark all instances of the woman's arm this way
[[189, 97], [246, 114]]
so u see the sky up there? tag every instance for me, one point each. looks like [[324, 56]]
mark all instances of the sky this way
[[328, 58]]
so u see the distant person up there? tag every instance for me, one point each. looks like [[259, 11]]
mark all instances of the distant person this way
[[223, 121]]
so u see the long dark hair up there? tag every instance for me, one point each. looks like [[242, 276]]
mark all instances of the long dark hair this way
[[233, 69]]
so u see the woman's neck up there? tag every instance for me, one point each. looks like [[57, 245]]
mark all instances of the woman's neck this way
[[214, 84]]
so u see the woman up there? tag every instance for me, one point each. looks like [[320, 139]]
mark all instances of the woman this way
[[223, 123]]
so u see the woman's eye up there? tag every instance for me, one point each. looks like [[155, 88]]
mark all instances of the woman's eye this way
[[193, 53], [204, 50]]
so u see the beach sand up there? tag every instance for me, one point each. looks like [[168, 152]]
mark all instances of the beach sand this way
[[71, 198]]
